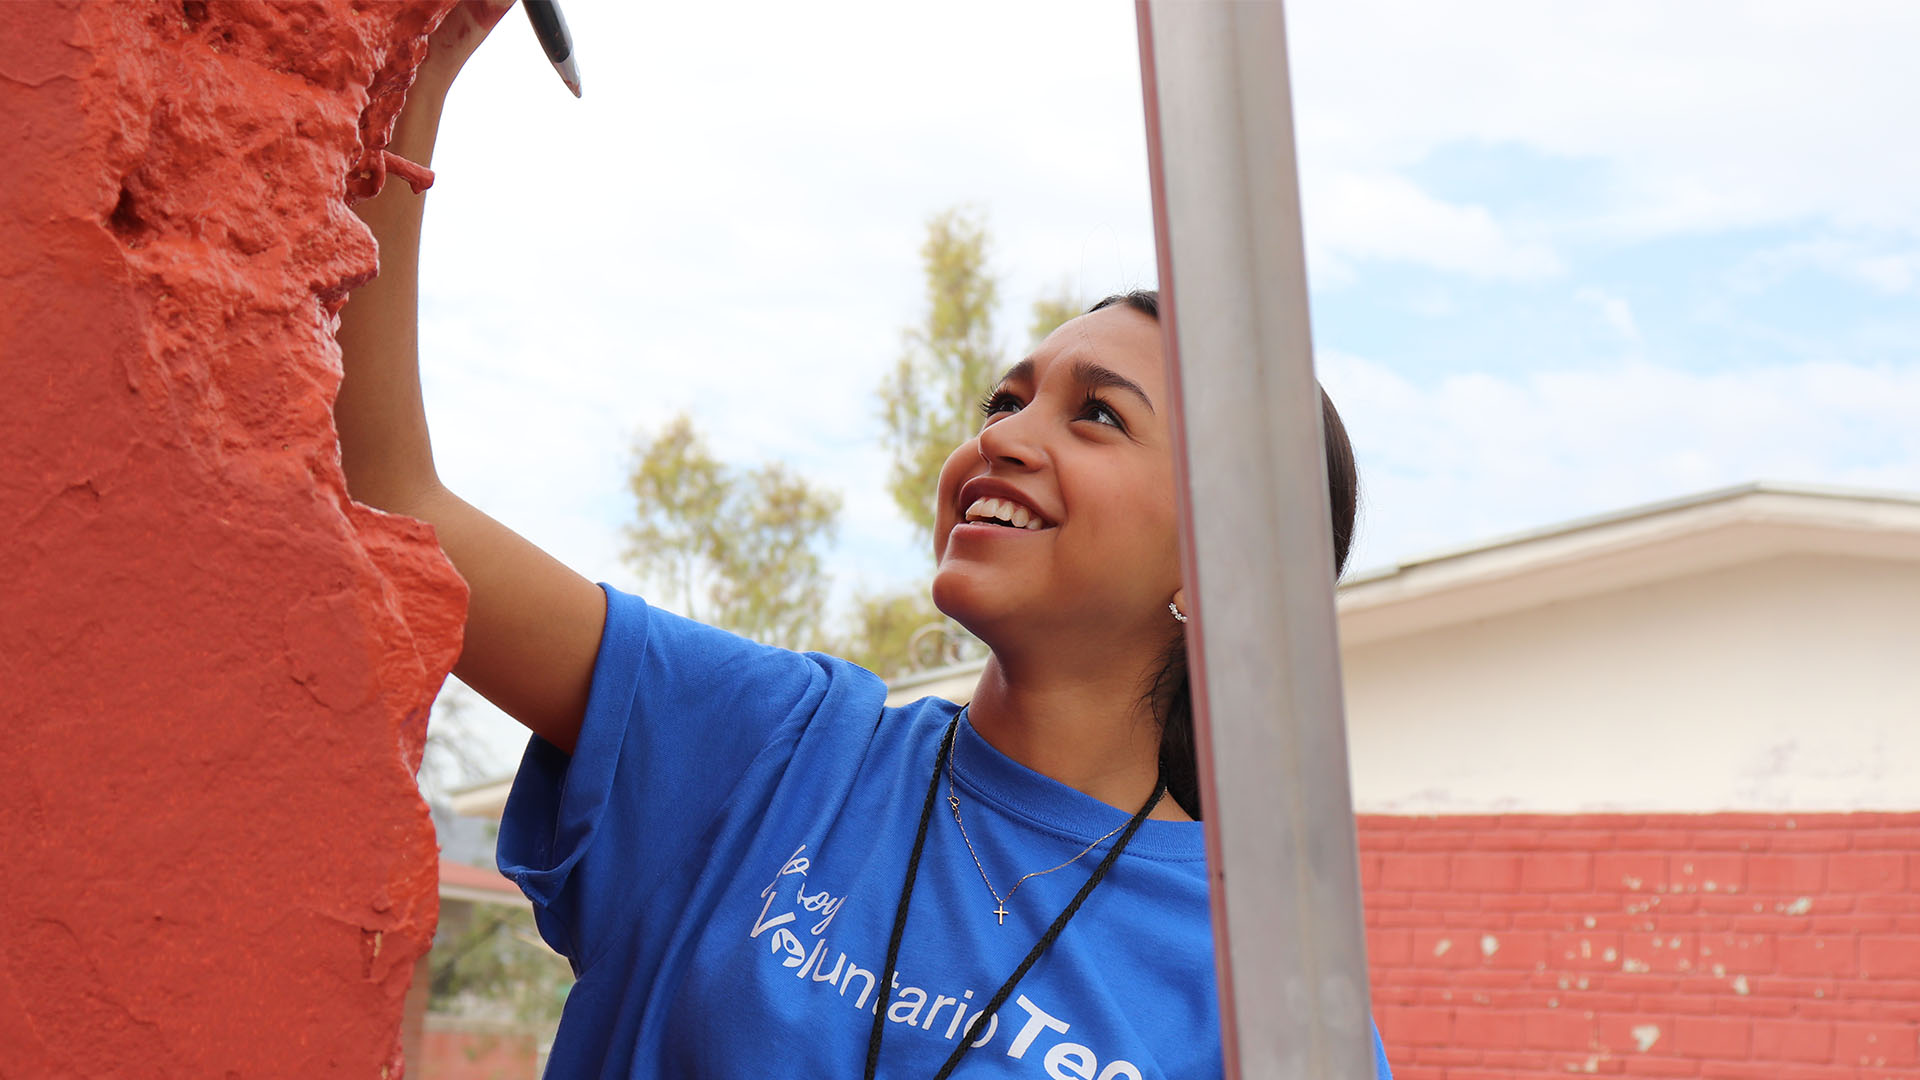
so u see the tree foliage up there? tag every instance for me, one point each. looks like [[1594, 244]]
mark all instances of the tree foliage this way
[[489, 963], [739, 548], [927, 401], [928, 407], [736, 548], [895, 633]]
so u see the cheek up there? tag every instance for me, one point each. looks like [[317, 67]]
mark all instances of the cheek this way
[[952, 474], [1137, 528]]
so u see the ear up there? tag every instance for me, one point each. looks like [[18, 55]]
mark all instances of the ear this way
[[1180, 598]]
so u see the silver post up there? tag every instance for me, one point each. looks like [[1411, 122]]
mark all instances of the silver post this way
[[1258, 558]]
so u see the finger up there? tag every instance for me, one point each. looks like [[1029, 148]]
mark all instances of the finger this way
[[488, 13], [461, 32]]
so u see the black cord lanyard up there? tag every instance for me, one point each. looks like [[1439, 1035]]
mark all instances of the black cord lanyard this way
[[1033, 955]]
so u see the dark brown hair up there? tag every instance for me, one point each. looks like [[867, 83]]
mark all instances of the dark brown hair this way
[[1168, 692]]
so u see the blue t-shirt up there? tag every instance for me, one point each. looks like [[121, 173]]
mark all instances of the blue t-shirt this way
[[721, 860]]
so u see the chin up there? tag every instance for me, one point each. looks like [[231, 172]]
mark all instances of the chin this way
[[957, 594], [964, 595]]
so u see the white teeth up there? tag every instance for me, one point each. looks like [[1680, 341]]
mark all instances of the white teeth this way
[[1004, 510]]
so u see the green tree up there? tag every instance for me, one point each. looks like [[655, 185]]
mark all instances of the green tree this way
[[897, 632], [927, 401], [928, 406], [488, 962], [737, 548]]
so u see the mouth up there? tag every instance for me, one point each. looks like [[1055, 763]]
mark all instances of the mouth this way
[[1004, 514]]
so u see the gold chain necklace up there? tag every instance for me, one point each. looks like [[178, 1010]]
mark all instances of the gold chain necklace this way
[[1000, 902]]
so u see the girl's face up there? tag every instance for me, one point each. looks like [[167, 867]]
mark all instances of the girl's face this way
[[1076, 451]]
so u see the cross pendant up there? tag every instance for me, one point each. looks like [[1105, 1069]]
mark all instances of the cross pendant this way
[[1001, 911]]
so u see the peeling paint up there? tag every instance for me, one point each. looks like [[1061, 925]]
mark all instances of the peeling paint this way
[[1645, 1035], [1440, 947], [1740, 985], [1489, 945]]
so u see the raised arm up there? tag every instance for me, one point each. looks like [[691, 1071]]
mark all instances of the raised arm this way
[[533, 625]]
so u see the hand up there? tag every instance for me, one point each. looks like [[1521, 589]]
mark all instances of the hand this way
[[456, 38], [448, 48]]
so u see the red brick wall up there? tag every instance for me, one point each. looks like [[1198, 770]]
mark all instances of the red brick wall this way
[[452, 1050], [1784, 947]]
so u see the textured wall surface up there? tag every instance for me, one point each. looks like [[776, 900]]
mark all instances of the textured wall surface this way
[[1769, 947], [215, 669]]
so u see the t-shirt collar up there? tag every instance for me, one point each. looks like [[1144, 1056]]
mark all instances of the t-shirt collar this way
[[1049, 805]]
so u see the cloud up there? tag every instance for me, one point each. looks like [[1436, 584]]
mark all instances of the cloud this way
[[1704, 116], [1359, 216], [1473, 456], [1884, 265], [1615, 310]]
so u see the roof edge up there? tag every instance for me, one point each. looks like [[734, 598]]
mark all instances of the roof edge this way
[[1634, 513]]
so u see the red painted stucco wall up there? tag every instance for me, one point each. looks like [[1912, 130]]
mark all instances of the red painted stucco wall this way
[[1769, 947], [215, 669]]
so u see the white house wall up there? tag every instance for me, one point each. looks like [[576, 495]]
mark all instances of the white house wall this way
[[1788, 684]]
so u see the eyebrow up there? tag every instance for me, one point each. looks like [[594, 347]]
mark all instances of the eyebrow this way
[[1086, 373]]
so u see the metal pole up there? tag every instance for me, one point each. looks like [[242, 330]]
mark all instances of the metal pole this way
[[1258, 558]]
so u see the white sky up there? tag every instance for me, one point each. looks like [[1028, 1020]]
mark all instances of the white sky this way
[[1566, 257]]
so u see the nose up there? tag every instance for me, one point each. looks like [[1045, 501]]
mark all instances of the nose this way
[[1011, 440]]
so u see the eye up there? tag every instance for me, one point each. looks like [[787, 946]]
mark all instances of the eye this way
[[1101, 413], [998, 402]]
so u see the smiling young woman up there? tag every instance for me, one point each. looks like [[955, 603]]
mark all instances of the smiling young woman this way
[[757, 867]]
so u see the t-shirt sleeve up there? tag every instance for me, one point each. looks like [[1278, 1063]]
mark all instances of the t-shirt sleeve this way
[[677, 713]]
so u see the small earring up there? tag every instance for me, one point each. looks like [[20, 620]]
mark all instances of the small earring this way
[[1175, 608]]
